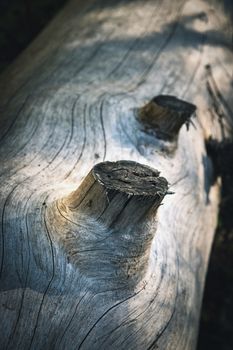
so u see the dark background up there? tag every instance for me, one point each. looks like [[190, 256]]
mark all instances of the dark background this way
[[20, 22]]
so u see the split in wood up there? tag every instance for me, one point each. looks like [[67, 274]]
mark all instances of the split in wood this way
[[164, 115]]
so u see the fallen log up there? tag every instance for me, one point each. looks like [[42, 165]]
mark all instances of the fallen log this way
[[97, 128]]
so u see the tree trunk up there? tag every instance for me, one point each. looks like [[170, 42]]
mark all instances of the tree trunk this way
[[97, 129]]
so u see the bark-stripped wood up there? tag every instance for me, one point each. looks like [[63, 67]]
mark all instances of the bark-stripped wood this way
[[73, 100]]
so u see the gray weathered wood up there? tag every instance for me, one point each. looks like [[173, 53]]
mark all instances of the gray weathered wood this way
[[72, 100]]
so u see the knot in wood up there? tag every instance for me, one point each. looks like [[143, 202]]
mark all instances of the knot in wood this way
[[118, 193], [164, 115], [130, 178]]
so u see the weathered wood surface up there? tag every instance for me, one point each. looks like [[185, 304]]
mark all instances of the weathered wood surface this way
[[71, 101]]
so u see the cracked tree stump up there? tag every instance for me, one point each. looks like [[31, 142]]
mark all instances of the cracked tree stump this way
[[90, 259], [165, 115], [112, 208]]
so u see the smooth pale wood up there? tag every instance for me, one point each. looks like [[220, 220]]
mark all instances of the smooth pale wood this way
[[69, 102]]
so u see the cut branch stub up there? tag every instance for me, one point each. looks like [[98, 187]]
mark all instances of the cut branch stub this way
[[119, 193], [112, 215], [164, 115]]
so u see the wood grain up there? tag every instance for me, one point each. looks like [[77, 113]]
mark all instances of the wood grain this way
[[69, 102]]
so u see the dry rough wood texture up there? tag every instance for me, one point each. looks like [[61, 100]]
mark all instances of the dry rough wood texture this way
[[164, 115], [71, 101], [106, 232]]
